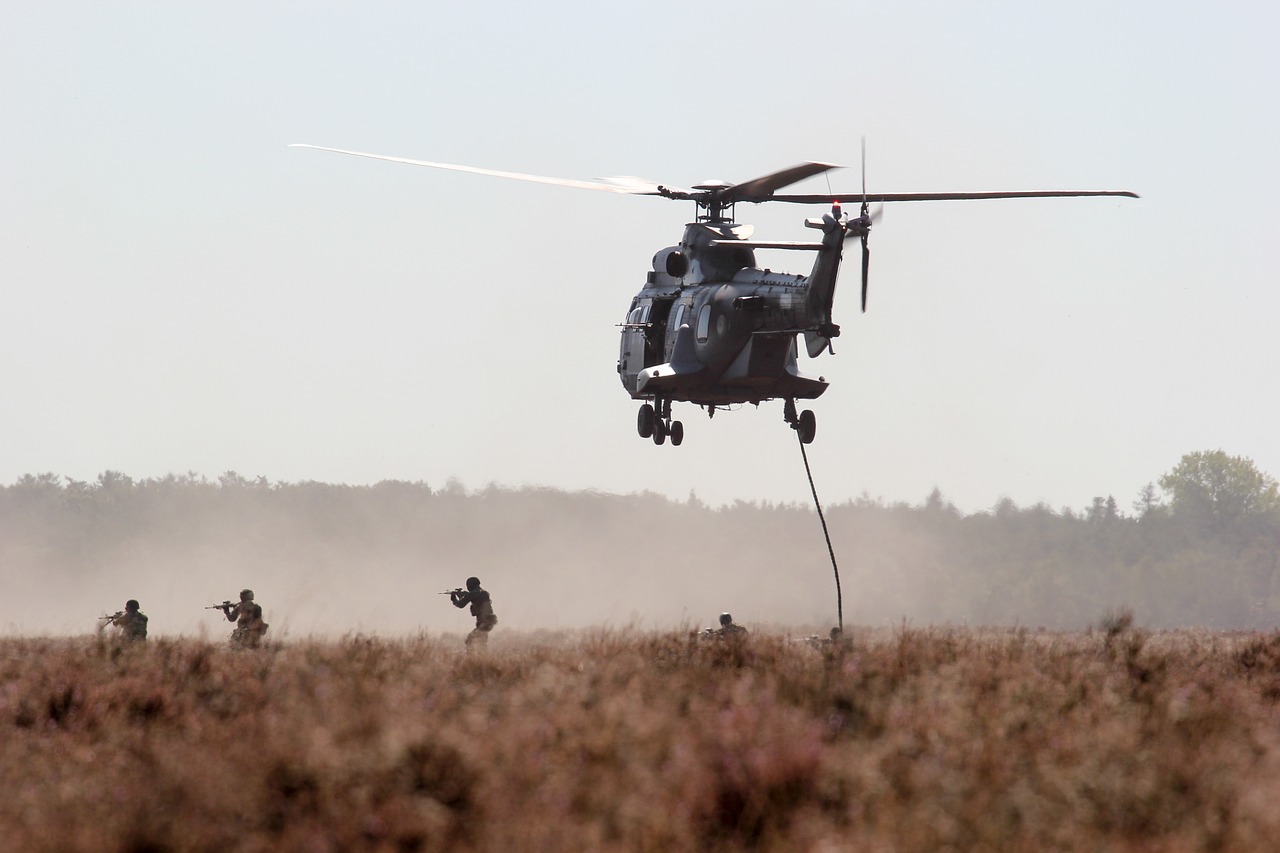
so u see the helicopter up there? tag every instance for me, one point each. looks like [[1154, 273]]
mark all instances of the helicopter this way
[[712, 328]]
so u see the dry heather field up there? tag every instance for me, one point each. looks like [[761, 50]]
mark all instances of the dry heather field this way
[[909, 740]]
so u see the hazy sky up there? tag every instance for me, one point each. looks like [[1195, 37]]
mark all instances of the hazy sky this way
[[183, 292]]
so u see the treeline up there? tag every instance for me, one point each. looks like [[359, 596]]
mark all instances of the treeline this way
[[1201, 549]]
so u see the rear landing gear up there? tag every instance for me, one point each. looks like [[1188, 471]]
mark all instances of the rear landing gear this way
[[677, 433], [656, 423], [805, 424]]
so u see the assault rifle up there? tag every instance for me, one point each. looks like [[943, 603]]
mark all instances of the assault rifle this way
[[223, 606], [110, 620], [452, 591]]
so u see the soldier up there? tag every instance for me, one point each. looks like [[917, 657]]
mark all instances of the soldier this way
[[248, 618], [728, 628], [481, 608], [132, 622], [834, 640]]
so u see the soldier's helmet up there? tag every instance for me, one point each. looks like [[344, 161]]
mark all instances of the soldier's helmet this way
[[131, 605], [726, 618], [473, 583], [246, 595]]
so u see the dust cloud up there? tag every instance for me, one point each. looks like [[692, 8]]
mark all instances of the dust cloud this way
[[329, 560]]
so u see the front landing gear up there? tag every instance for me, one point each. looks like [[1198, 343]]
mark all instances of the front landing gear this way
[[656, 423], [805, 424], [644, 421]]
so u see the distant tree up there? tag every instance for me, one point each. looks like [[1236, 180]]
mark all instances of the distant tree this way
[[1210, 485], [1148, 500], [232, 480], [1098, 510], [114, 481], [935, 502], [1103, 509]]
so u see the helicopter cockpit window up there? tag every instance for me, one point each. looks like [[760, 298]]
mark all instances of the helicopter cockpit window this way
[[638, 315], [704, 323]]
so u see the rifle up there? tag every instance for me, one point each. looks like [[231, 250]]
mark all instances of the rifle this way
[[110, 620], [223, 606], [450, 591]]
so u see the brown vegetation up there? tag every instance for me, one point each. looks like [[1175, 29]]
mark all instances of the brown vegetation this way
[[909, 740]]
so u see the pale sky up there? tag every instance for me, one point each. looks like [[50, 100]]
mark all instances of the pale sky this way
[[183, 292]]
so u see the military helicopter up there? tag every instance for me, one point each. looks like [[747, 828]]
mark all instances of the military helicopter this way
[[712, 328]]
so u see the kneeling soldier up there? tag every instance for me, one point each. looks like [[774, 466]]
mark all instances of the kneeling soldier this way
[[247, 615], [132, 622]]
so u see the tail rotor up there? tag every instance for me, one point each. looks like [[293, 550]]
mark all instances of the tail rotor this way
[[864, 227]]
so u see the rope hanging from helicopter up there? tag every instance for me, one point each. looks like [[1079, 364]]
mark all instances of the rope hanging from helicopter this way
[[826, 534]]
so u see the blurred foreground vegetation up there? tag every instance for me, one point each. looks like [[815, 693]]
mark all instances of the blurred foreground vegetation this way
[[1201, 548], [909, 740]]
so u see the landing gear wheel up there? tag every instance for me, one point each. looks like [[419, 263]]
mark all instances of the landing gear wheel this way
[[677, 433], [644, 421], [659, 433], [807, 426]]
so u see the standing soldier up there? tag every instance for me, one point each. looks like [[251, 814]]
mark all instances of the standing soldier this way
[[248, 618], [132, 622], [481, 608]]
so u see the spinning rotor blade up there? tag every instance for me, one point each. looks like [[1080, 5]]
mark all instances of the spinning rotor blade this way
[[866, 263], [866, 252], [761, 188], [625, 185]]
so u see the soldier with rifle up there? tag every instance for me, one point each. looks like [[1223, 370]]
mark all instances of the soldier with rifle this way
[[481, 608], [247, 614], [729, 628], [131, 621]]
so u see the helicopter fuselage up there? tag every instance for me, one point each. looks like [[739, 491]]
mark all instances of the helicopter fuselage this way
[[713, 329]]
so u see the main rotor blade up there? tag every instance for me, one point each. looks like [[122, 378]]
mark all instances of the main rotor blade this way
[[852, 198], [761, 188], [628, 186]]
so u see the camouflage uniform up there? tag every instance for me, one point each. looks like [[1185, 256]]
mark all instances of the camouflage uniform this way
[[481, 608], [249, 625], [729, 628], [131, 621], [133, 626]]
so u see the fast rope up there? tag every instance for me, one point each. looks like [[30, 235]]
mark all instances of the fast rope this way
[[818, 504]]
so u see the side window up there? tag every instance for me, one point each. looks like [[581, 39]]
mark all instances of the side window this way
[[704, 323], [679, 318]]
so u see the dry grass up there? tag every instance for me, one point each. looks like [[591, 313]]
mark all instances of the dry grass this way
[[620, 740]]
